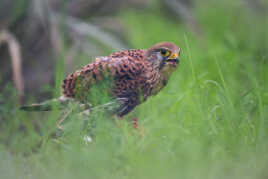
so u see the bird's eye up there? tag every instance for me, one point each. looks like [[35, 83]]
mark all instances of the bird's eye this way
[[164, 52]]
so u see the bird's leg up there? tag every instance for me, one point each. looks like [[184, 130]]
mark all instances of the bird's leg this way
[[138, 127], [135, 122], [117, 121], [84, 108], [63, 116]]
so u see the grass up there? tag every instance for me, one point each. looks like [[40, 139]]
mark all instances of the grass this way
[[209, 122]]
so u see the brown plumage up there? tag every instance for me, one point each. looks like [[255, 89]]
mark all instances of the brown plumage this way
[[133, 76], [136, 75]]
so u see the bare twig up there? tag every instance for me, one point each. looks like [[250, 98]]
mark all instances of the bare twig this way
[[15, 54], [42, 11], [77, 30], [89, 30], [183, 11], [258, 6]]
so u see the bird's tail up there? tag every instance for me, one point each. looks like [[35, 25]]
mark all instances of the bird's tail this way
[[56, 103]]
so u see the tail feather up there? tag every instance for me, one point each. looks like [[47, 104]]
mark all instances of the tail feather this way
[[45, 106], [36, 107]]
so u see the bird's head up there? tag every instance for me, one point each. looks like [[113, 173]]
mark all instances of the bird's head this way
[[164, 56]]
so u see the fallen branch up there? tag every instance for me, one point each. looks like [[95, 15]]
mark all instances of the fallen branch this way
[[86, 30], [184, 12], [15, 54]]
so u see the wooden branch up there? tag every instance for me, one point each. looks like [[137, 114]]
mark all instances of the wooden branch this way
[[183, 11], [15, 54], [89, 30], [258, 6]]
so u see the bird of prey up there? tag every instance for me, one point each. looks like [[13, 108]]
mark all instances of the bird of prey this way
[[134, 75]]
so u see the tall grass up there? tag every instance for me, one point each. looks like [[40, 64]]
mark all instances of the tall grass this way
[[209, 122]]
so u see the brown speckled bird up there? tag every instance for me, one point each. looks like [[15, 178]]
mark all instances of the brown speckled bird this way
[[136, 75]]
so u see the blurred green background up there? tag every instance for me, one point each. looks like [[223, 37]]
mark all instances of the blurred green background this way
[[211, 121]]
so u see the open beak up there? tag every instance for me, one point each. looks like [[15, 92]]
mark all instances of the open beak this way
[[174, 59]]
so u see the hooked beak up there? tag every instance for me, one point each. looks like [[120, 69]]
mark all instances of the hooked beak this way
[[174, 59]]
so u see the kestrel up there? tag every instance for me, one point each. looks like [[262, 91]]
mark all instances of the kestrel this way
[[134, 75]]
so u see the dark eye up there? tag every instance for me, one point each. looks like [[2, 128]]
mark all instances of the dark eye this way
[[164, 52]]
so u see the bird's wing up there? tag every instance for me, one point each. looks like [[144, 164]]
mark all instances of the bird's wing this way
[[104, 71]]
